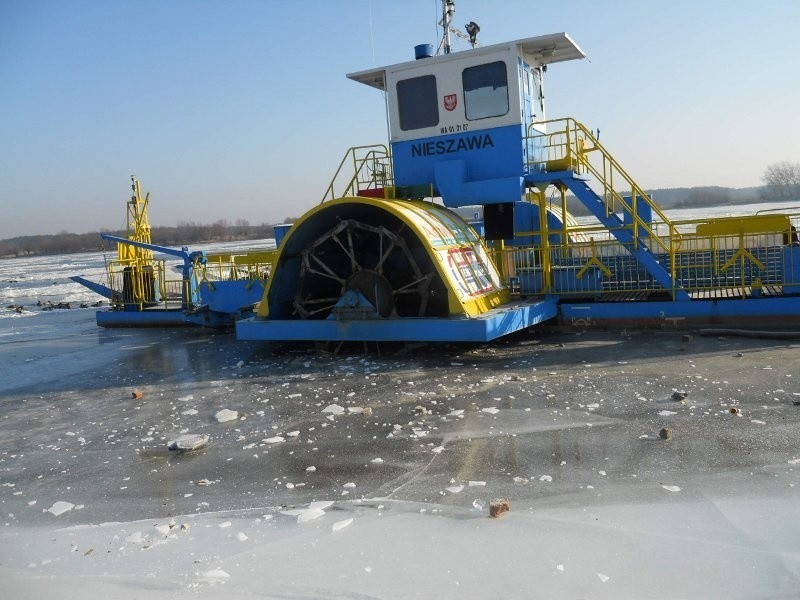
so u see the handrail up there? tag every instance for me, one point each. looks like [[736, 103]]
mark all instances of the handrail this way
[[376, 154], [576, 135]]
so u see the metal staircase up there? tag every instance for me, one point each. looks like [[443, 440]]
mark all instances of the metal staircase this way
[[570, 156]]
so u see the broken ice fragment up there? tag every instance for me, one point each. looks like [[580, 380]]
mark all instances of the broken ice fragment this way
[[548, 478], [671, 488], [310, 515], [275, 440], [603, 577], [311, 469], [189, 412], [216, 574], [320, 504], [351, 485], [136, 538], [225, 415], [376, 460], [188, 442], [333, 409], [241, 537], [225, 524], [667, 413], [162, 529], [437, 450], [491, 410], [339, 525], [293, 434], [455, 489], [476, 483], [60, 507]]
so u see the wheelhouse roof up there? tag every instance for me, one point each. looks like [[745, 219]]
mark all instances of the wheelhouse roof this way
[[543, 49]]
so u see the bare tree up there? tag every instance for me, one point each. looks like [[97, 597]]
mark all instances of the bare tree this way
[[782, 180]]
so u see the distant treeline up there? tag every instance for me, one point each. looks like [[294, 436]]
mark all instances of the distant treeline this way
[[196, 234], [183, 234]]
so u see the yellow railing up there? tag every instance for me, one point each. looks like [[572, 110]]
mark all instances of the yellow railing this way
[[572, 146], [362, 168], [232, 266], [589, 261]]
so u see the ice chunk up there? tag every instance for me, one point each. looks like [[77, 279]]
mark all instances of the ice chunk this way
[[225, 524], [351, 485], [560, 568], [188, 442], [163, 529], [339, 525], [333, 409], [491, 410], [454, 489], [189, 412], [794, 461], [241, 537], [216, 574], [320, 505], [275, 440], [186, 398], [603, 577], [225, 415], [376, 460], [546, 478], [311, 469], [293, 434], [136, 538], [310, 515], [60, 507], [667, 413], [476, 483], [671, 488], [437, 450]]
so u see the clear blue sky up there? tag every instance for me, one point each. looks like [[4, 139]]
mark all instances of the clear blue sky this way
[[241, 109]]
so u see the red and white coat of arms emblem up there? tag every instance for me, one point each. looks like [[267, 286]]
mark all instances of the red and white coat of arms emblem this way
[[450, 102]]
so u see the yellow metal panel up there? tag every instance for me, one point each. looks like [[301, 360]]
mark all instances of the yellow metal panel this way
[[751, 224]]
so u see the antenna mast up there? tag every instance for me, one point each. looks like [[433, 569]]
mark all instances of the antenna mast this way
[[448, 10]]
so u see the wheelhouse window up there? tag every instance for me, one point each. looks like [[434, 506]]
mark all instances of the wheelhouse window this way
[[417, 102], [485, 91]]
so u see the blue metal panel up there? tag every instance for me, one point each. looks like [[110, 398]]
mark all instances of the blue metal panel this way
[[490, 325], [487, 153], [780, 311], [791, 270], [231, 296], [145, 318]]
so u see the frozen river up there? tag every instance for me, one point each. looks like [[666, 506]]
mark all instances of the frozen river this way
[[358, 476]]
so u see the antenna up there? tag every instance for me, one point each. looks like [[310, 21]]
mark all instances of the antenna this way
[[448, 12]]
